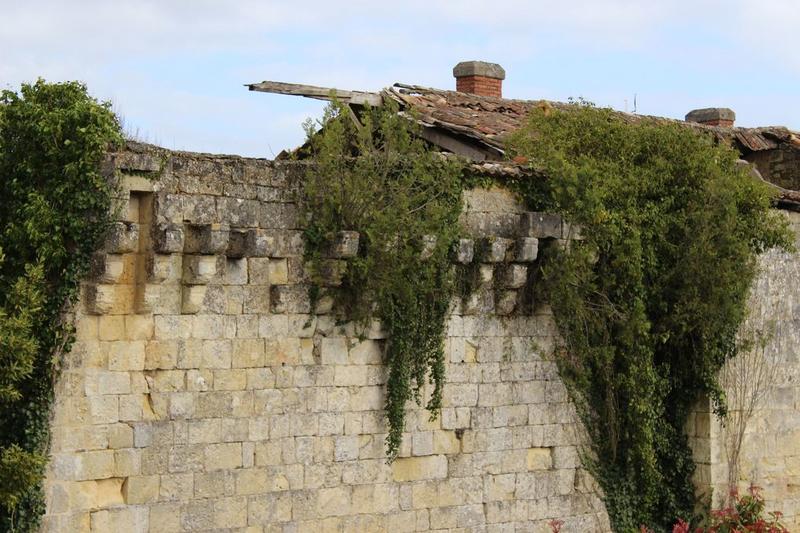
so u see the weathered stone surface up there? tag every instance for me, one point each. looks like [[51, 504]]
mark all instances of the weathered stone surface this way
[[204, 395], [540, 225], [123, 237], [526, 249], [464, 251], [168, 238], [345, 245], [206, 239]]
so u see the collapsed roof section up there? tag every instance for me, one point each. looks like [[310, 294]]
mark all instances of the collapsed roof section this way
[[476, 127]]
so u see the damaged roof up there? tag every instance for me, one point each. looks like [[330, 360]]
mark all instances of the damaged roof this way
[[477, 126]]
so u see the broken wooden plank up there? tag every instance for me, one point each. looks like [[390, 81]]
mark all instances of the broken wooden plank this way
[[319, 93], [451, 144]]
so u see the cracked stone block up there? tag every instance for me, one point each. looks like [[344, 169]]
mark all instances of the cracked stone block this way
[[540, 225], [344, 245], [168, 238], [123, 237], [526, 249]]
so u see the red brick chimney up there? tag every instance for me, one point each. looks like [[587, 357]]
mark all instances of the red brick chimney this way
[[712, 116], [479, 77]]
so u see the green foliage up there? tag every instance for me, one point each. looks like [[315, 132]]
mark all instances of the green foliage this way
[[649, 302], [746, 514], [54, 212], [378, 178]]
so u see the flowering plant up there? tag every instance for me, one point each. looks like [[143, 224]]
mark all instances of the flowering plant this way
[[746, 515]]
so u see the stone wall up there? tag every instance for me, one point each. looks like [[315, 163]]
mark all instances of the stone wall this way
[[771, 451], [203, 394]]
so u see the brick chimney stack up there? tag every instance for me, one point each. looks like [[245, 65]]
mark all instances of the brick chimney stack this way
[[479, 77], [712, 116]]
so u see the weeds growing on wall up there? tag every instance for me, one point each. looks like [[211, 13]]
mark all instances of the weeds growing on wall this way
[[372, 174], [650, 301], [54, 210]]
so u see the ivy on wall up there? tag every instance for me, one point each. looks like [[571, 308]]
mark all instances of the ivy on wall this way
[[649, 302], [374, 175], [54, 212]]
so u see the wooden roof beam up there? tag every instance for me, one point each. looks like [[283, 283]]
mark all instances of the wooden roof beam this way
[[318, 93]]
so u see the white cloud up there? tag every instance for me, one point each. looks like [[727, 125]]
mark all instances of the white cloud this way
[[175, 67]]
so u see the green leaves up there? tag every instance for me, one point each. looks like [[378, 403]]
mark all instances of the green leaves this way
[[372, 174], [650, 302], [53, 216]]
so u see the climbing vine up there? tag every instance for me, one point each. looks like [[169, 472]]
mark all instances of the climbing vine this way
[[54, 212], [372, 174], [649, 301]]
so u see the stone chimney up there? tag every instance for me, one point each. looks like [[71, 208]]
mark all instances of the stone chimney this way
[[712, 116], [479, 77]]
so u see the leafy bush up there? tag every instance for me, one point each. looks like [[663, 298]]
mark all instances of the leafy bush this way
[[649, 302], [746, 514], [378, 178], [54, 212]]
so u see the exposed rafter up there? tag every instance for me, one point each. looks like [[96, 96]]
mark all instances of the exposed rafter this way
[[318, 93]]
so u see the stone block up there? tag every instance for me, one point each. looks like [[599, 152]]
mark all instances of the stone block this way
[[422, 443], [289, 299], [168, 238], [206, 239], [107, 268], [526, 249], [109, 299], [238, 211], [230, 512], [346, 448], [495, 249], [199, 269], [199, 209], [167, 516], [464, 251], [123, 237], [514, 276], [540, 459], [260, 243], [131, 519], [540, 225], [140, 489], [223, 456], [418, 468], [332, 272], [126, 355], [237, 244], [278, 272], [111, 327], [344, 245], [506, 302]]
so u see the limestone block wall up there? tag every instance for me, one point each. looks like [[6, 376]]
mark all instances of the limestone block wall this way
[[771, 451], [203, 394]]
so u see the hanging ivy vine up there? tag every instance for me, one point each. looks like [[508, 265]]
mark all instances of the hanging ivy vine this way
[[648, 304], [374, 175], [54, 211]]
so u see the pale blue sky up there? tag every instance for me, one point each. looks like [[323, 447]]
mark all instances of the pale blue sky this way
[[175, 69]]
